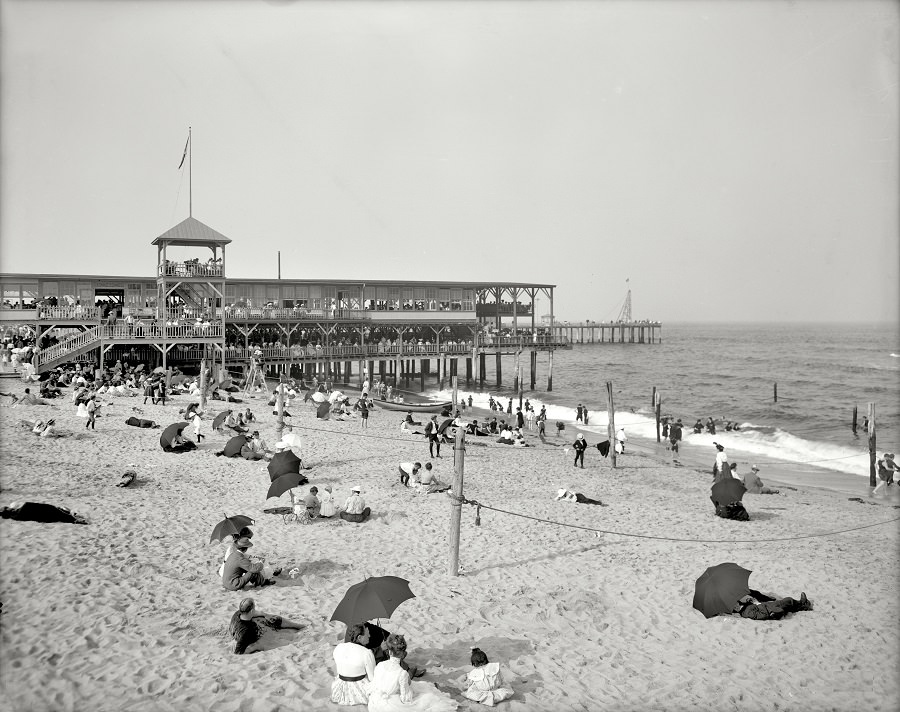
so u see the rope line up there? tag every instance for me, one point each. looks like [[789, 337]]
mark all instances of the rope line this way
[[480, 505]]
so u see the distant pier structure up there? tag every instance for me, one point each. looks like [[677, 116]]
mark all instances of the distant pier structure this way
[[624, 330], [609, 332]]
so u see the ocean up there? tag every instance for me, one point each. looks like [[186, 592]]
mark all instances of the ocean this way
[[729, 371]]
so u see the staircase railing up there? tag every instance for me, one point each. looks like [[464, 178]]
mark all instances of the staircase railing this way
[[69, 345]]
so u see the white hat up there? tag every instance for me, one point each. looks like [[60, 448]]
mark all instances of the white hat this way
[[355, 489], [755, 468], [281, 443], [560, 494]]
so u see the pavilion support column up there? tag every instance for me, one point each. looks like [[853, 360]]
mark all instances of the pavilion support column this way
[[482, 369], [468, 370], [533, 368], [499, 370], [516, 371], [422, 365]]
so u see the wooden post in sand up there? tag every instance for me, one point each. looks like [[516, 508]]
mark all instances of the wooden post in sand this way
[[456, 506], [521, 387], [872, 445], [658, 400], [455, 381], [853, 426], [202, 384], [550, 373], [776, 393], [279, 407], [653, 398], [611, 426]]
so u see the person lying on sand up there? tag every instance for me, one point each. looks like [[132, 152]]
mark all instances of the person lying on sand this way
[[571, 496], [760, 607], [239, 572], [245, 629]]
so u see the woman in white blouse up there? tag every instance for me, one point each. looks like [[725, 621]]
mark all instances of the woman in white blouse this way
[[355, 668]]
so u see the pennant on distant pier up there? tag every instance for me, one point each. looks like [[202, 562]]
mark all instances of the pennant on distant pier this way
[[184, 155]]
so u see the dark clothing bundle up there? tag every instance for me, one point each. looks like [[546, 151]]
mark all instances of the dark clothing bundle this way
[[139, 422], [732, 510]]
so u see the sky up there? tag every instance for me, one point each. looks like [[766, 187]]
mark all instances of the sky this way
[[734, 161]]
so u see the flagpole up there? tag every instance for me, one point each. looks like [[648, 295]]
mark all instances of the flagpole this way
[[190, 182]]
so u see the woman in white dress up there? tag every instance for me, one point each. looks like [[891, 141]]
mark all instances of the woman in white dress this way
[[355, 668], [392, 690]]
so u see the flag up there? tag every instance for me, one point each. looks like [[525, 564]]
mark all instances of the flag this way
[[184, 155]]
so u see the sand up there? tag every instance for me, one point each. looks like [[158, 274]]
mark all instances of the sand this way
[[127, 613]]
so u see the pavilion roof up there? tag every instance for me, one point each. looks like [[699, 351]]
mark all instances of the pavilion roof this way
[[193, 233]]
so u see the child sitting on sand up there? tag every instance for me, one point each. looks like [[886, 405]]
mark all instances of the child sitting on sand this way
[[484, 683]]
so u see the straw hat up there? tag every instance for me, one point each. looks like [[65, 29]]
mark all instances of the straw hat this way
[[356, 489]]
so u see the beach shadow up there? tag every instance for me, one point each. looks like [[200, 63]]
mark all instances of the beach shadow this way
[[542, 557], [758, 516], [321, 567], [454, 661]]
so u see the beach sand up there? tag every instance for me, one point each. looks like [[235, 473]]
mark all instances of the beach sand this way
[[127, 612]]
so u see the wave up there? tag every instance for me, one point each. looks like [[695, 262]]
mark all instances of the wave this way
[[772, 445]]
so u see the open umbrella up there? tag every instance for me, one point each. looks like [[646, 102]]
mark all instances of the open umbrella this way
[[139, 368], [233, 446], [720, 588], [319, 397], [229, 526], [375, 597], [168, 435], [224, 383], [283, 463], [726, 491], [443, 426], [335, 396], [219, 419], [284, 483], [323, 411], [159, 369], [307, 395]]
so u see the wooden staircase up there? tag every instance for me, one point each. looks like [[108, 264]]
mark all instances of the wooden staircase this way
[[68, 349]]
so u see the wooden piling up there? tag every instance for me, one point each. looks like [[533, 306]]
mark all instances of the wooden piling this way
[[653, 398], [853, 426], [279, 407], [455, 381], [872, 481], [499, 370], [611, 423], [456, 502], [422, 375], [550, 373], [521, 386], [202, 384], [776, 393], [533, 369], [658, 400]]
